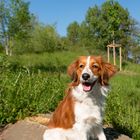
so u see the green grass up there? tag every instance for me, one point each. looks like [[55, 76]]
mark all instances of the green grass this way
[[131, 67], [48, 61], [123, 106], [25, 94], [44, 59], [34, 83]]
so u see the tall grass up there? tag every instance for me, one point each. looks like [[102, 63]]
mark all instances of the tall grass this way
[[23, 94], [62, 58], [131, 67], [123, 105]]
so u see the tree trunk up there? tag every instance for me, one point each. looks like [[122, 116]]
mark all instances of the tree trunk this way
[[6, 49]]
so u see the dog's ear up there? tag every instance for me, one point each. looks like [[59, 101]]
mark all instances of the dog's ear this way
[[71, 71], [108, 70]]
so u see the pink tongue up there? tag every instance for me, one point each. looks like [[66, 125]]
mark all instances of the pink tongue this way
[[86, 87]]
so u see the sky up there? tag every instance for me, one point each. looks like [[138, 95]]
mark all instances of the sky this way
[[63, 12]]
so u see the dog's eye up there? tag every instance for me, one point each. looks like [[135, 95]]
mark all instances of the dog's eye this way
[[81, 65], [95, 66]]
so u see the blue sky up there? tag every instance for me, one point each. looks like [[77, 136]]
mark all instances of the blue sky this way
[[63, 12]]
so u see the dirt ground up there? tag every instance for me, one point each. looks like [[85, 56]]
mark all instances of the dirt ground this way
[[33, 129]]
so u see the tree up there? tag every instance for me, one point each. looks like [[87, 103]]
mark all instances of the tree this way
[[120, 25], [94, 24], [73, 32], [15, 21], [110, 21], [4, 15], [44, 39], [20, 19]]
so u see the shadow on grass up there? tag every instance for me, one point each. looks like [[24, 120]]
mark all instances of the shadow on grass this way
[[123, 129], [111, 133], [124, 64]]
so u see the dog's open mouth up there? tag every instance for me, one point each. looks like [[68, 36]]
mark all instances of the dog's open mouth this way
[[87, 86]]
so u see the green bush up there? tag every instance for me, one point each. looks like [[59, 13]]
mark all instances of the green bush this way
[[24, 94], [41, 39], [44, 39]]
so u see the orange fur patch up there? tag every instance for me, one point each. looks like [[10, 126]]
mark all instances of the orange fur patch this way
[[63, 116]]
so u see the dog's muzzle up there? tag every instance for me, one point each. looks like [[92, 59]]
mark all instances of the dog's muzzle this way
[[87, 83]]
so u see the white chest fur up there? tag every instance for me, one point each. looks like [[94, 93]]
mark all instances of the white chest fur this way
[[88, 107], [84, 110]]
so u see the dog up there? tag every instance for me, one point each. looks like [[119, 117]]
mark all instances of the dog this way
[[79, 115]]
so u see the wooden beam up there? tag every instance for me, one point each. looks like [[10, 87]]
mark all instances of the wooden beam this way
[[108, 55], [113, 45], [114, 55]]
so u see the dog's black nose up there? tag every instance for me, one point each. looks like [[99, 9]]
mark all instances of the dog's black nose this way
[[85, 76]]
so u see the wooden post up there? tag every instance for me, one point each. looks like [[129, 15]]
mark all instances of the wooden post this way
[[120, 51], [108, 54], [114, 46], [114, 55]]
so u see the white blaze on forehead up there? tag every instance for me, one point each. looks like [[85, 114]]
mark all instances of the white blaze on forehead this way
[[88, 61], [87, 67]]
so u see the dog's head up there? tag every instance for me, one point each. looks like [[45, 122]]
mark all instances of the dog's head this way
[[87, 70]]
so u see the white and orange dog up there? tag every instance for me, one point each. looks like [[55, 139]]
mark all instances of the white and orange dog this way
[[79, 116]]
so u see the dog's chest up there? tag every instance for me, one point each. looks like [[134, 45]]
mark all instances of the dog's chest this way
[[84, 110]]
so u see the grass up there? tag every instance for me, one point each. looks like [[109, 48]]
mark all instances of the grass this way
[[50, 61], [25, 94], [35, 83], [131, 67], [44, 59], [123, 106]]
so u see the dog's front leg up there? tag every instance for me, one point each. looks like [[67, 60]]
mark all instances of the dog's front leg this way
[[98, 131]]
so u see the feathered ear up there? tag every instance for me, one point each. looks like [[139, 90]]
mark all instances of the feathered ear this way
[[108, 70], [71, 71]]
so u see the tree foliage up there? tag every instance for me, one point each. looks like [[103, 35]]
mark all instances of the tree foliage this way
[[15, 23], [19, 20], [73, 32], [44, 38], [4, 16]]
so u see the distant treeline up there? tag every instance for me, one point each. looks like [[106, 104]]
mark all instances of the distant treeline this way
[[21, 32]]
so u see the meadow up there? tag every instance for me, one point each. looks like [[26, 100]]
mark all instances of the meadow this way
[[33, 84]]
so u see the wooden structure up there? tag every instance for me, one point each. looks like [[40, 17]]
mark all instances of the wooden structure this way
[[114, 46]]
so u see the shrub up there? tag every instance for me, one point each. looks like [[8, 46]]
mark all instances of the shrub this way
[[24, 94], [44, 39]]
